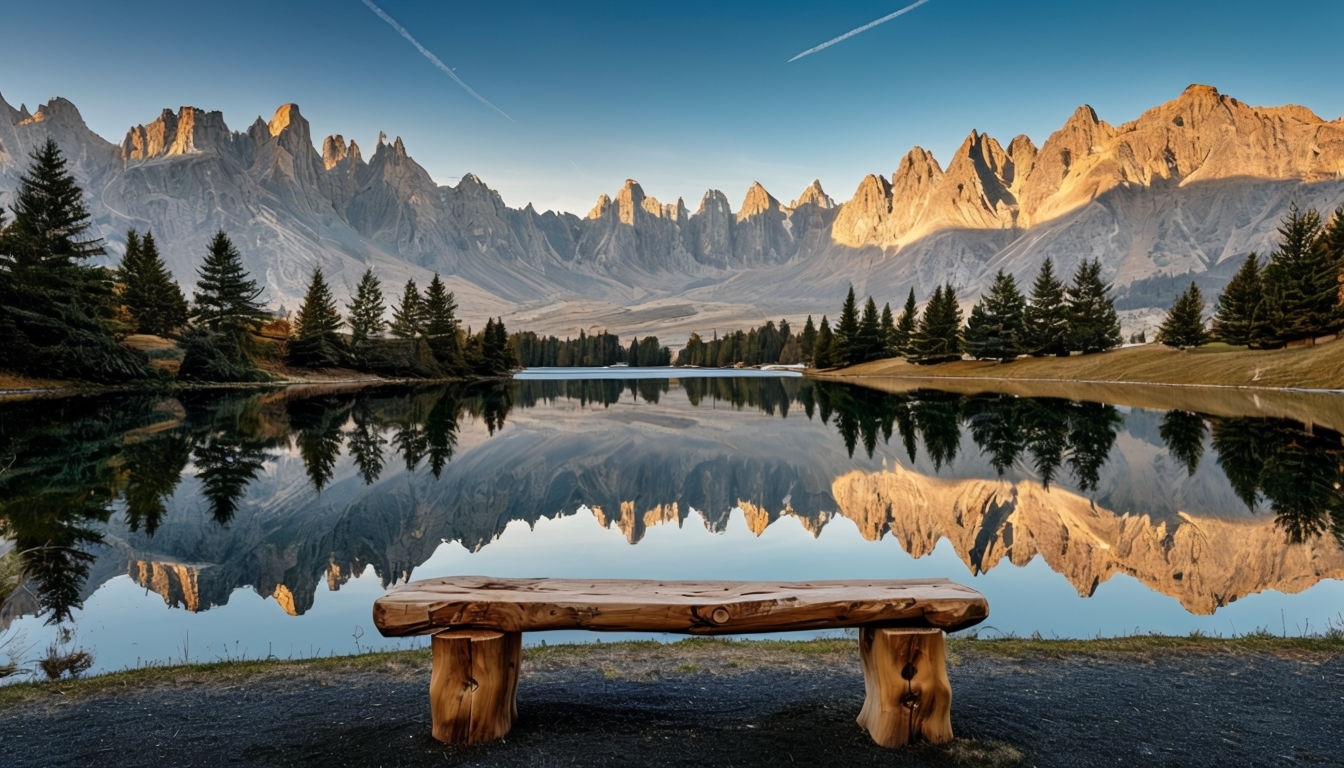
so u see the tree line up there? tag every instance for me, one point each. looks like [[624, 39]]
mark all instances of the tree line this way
[[63, 317], [596, 350]]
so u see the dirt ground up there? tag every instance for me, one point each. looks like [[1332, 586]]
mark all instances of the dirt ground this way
[[684, 707]]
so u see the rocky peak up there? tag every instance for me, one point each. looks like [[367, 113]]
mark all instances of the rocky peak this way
[[601, 207], [187, 131], [285, 116], [58, 110], [714, 201], [334, 150], [814, 195], [757, 202], [628, 200]]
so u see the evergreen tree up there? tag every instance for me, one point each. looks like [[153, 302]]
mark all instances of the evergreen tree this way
[[1301, 281], [846, 343], [905, 326], [887, 330], [366, 316], [408, 314], [807, 340], [937, 338], [823, 351], [997, 323], [56, 311], [439, 312], [1235, 315], [1184, 324], [226, 297], [1093, 323], [316, 340], [151, 297], [1047, 315], [869, 343]]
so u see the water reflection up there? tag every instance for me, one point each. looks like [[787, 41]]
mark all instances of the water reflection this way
[[198, 495]]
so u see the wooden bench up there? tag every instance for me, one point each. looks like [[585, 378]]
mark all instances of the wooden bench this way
[[479, 623]]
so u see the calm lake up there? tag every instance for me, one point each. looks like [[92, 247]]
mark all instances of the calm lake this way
[[248, 524]]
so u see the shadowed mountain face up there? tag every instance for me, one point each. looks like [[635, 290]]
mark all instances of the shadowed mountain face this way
[[197, 497], [1183, 191]]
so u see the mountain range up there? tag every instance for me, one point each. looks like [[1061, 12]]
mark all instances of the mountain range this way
[[1182, 192]]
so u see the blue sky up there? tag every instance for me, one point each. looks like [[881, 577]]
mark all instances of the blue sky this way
[[682, 97]]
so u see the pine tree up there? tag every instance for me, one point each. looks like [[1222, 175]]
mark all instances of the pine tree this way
[[366, 316], [56, 311], [823, 350], [807, 340], [905, 325], [1047, 315], [226, 297], [847, 332], [408, 314], [887, 330], [152, 299], [1093, 324], [439, 310], [997, 323], [937, 338], [868, 341], [1234, 317], [1301, 281], [316, 340], [1184, 324]]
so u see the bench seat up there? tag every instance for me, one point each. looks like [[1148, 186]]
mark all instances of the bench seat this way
[[479, 623]]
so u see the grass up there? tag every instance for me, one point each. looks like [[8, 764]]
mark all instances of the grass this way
[[651, 660]]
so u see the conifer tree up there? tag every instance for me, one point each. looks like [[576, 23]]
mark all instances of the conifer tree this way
[[1235, 314], [1094, 325], [1301, 281], [408, 314], [823, 351], [887, 331], [226, 298], [905, 325], [997, 323], [56, 311], [1184, 324], [1047, 315], [937, 338], [869, 344], [316, 340], [366, 316], [152, 299], [439, 310], [807, 340], [846, 343]]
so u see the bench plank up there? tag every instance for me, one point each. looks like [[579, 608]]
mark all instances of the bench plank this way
[[693, 607]]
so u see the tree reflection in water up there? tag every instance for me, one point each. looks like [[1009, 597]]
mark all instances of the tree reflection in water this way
[[67, 466]]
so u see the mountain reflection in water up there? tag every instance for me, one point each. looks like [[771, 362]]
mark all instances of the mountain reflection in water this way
[[281, 491]]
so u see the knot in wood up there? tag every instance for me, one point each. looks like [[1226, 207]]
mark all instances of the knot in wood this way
[[720, 615], [910, 700], [908, 672]]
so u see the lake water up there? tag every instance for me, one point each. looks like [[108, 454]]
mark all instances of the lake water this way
[[249, 524]]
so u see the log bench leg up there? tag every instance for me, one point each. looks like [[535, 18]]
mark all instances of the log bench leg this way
[[473, 684], [907, 690]]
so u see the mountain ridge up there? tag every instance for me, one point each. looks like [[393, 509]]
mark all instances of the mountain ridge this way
[[1164, 198]]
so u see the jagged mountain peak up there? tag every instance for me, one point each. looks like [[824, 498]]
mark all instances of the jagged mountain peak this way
[[601, 207], [814, 195], [757, 201]]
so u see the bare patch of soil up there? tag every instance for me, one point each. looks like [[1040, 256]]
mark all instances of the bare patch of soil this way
[[699, 704]]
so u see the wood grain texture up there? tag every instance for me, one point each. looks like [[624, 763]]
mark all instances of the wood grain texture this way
[[473, 684], [692, 607], [908, 694]]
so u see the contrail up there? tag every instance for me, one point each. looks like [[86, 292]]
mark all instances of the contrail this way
[[447, 70], [854, 32]]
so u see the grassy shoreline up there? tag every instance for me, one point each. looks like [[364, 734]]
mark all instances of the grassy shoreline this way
[[647, 658]]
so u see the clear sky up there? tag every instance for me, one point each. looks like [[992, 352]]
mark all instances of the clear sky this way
[[683, 97]]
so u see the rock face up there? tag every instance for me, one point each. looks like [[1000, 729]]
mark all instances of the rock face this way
[[1182, 191]]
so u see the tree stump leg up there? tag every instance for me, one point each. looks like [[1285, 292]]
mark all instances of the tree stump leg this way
[[907, 690], [473, 684]]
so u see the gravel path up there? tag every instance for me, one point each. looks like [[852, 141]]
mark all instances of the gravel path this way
[[682, 709]]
